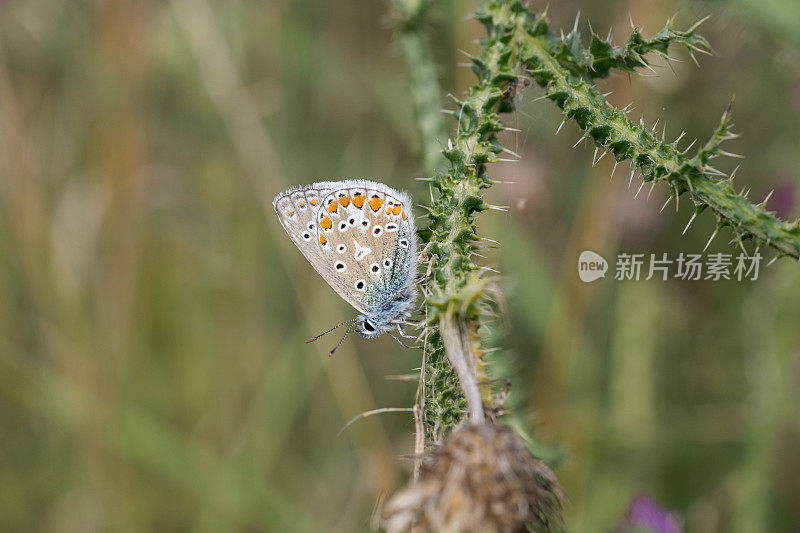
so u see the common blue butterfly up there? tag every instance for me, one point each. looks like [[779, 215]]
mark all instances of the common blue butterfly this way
[[360, 236]]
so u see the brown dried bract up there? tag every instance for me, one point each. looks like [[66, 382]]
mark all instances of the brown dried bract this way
[[481, 478]]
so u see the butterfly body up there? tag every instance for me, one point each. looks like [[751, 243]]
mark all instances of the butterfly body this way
[[359, 235]]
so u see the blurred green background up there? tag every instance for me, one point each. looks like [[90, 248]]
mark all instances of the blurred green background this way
[[153, 374]]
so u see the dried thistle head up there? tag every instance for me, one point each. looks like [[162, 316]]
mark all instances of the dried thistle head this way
[[481, 478]]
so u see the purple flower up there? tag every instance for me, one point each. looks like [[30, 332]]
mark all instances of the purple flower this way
[[646, 513], [784, 199]]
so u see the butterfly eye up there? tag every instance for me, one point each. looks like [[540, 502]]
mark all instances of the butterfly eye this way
[[341, 248], [377, 231], [365, 223], [391, 227], [359, 285], [306, 236], [404, 243], [310, 226], [351, 221], [368, 326], [340, 266], [387, 263], [374, 268], [342, 226]]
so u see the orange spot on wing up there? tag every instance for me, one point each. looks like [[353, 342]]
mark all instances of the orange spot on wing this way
[[404, 215], [389, 210], [358, 200], [313, 201], [397, 209], [375, 203], [344, 200], [322, 239], [326, 223], [333, 207], [301, 203], [290, 213]]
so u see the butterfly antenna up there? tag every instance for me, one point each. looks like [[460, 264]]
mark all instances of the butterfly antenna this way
[[312, 339], [330, 354]]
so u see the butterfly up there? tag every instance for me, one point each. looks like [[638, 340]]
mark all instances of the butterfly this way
[[360, 236]]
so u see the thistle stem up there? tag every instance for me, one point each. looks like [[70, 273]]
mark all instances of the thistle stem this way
[[457, 346]]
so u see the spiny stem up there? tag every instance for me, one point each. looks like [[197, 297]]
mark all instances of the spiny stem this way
[[520, 47], [565, 69]]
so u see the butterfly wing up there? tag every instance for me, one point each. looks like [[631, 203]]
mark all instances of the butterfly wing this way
[[368, 228], [296, 209], [364, 244]]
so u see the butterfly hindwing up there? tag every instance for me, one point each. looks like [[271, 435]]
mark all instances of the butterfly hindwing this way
[[369, 230]]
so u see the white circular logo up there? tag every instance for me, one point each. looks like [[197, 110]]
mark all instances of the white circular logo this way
[[591, 266]]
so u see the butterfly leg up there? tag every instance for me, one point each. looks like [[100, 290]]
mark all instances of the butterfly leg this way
[[399, 341], [403, 333]]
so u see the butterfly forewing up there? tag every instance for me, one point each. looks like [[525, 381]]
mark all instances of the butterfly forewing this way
[[364, 238], [297, 209]]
